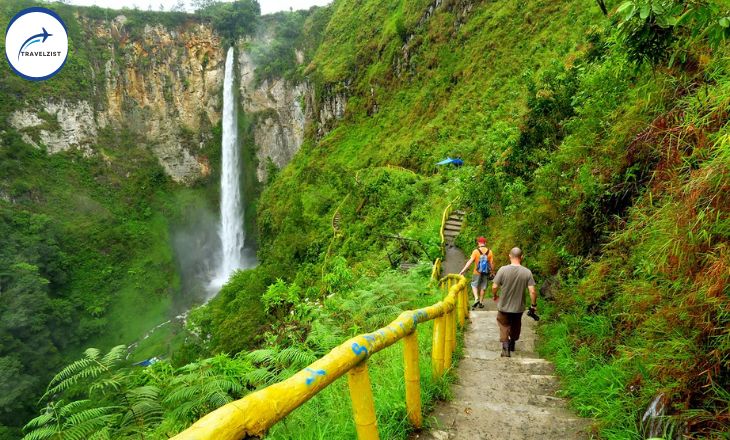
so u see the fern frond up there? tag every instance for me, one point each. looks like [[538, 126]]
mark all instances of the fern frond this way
[[295, 357], [262, 356], [88, 427], [72, 407], [261, 376], [42, 433], [115, 355], [180, 395], [102, 434], [91, 416], [105, 384], [39, 421], [90, 367], [218, 399]]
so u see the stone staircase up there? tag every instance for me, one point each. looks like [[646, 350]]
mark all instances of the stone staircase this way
[[503, 398], [452, 227]]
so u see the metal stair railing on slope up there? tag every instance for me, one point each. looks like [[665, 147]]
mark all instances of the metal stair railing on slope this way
[[254, 414], [437, 264]]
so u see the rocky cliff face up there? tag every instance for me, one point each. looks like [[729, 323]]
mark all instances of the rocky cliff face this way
[[167, 84], [280, 109], [162, 84]]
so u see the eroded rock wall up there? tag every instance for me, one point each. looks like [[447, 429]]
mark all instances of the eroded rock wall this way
[[280, 111], [162, 84]]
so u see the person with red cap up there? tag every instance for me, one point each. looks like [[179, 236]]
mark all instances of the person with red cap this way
[[483, 268]]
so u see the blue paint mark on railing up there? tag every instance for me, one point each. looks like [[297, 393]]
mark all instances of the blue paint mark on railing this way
[[359, 349], [419, 315], [313, 375]]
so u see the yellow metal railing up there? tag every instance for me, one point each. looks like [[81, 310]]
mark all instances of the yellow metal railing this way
[[436, 271], [257, 412], [444, 217]]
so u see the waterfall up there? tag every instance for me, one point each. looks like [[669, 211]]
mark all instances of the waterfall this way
[[230, 231]]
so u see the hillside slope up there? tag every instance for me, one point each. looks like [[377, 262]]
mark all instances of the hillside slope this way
[[598, 144], [601, 154]]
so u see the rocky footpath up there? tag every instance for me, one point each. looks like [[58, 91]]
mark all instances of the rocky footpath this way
[[503, 397]]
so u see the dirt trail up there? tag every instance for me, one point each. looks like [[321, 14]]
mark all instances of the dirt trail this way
[[501, 398]]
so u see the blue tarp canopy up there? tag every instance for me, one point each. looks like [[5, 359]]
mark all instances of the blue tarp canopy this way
[[147, 362], [449, 161]]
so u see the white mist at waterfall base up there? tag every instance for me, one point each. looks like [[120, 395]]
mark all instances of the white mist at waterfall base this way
[[232, 234]]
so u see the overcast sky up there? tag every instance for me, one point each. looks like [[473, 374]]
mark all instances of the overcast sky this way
[[267, 6]]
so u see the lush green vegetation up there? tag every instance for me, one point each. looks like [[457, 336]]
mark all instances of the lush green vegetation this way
[[101, 396], [597, 143], [574, 137], [86, 255]]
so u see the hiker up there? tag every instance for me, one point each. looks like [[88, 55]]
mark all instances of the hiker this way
[[512, 280], [483, 264]]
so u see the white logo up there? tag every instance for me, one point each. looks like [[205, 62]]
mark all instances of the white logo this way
[[36, 43]]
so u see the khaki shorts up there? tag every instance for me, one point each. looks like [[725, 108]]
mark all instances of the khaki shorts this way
[[479, 281]]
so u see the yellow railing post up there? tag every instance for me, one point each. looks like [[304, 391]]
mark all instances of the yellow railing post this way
[[413, 380], [460, 308], [453, 330], [465, 295], [437, 347], [363, 407], [448, 341]]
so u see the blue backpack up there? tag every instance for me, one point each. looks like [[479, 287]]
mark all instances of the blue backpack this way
[[483, 263]]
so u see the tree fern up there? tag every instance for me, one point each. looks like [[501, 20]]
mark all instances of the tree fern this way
[[77, 420], [204, 386], [143, 409], [91, 366]]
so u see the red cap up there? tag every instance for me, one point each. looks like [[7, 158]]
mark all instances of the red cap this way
[[482, 240]]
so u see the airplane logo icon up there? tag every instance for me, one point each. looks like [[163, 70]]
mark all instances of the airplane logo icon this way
[[35, 39]]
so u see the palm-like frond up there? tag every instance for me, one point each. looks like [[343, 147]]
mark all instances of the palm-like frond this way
[[42, 433], [144, 408], [77, 420], [91, 366]]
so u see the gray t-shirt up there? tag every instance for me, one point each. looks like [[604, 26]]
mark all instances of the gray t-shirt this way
[[513, 280]]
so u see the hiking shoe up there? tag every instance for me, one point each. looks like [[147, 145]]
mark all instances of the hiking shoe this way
[[475, 305], [481, 305]]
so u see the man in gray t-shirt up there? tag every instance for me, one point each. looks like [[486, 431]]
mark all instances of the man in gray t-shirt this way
[[512, 280]]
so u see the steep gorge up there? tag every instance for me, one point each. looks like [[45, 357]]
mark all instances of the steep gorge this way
[[119, 156], [610, 171]]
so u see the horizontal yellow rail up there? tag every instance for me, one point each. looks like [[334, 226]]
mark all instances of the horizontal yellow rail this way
[[254, 414]]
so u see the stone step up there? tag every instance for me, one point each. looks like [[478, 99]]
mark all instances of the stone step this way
[[453, 222], [501, 398], [521, 396], [448, 227], [504, 421]]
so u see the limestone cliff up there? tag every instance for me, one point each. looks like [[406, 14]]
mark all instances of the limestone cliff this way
[[280, 110], [161, 84], [164, 85]]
